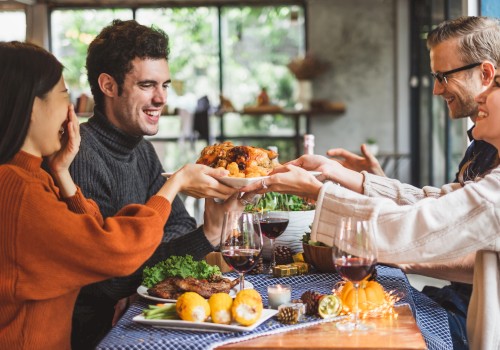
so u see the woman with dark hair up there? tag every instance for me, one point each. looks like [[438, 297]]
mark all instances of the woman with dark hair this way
[[53, 241]]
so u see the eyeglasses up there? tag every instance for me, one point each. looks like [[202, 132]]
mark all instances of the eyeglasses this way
[[442, 76]]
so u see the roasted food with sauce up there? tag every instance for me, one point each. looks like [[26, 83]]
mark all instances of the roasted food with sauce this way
[[173, 287], [241, 161]]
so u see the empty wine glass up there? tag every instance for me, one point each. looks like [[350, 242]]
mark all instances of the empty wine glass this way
[[272, 224], [355, 255], [241, 242]]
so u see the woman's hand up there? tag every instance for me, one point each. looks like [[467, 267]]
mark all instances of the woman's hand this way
[[60, 161], [331, 170], [289, 179], [70, 144], [199, 181]]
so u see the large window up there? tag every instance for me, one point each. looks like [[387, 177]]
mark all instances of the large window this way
[[71, 33], [12, 25], [194, 52], [214, 50]]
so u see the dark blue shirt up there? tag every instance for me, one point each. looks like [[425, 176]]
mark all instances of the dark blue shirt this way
[[483, 156]]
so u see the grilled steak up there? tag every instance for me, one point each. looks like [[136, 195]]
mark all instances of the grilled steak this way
[[166, 289], [205, 288], [173, 287]]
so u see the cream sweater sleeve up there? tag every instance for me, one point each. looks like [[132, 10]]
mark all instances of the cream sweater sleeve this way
[[432, 230], [400, 193]]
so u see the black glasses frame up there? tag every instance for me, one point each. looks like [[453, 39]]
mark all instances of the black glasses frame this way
[[441, 76]]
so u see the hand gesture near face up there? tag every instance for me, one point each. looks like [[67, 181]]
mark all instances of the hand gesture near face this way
[[70, 144]]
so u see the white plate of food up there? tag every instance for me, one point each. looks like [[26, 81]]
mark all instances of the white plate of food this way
[[206, 326], [235, 182], [143, 292], [239, 182]]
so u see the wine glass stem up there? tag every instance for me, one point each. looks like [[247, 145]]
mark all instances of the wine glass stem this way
[[356, 304], [273, 257], [242, 281]]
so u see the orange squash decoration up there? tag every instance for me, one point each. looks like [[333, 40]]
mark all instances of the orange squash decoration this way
[[370, 296]]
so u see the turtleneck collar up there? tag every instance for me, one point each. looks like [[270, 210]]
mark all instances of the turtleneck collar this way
[[27, 161], [115, 139]]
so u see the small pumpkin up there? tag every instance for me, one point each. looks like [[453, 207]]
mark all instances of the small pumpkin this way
[[191, 306], [370, 296], [247, 307], [220, 308]]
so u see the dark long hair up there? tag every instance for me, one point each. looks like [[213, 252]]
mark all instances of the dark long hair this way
[[26, 71]]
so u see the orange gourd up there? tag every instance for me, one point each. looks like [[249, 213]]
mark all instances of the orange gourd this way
[[370, 296]]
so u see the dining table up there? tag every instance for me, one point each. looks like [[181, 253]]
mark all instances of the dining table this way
[[417, 323]]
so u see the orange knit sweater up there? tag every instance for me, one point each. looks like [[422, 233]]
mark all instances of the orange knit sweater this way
[[50, 247]]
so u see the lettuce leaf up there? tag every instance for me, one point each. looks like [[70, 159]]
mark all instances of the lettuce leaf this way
[[177, 266]]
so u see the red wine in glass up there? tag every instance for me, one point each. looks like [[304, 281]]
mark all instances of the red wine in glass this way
[[242, 260], [354, 269], [355, 255], [241, 242], [273, 227], [272, 224]]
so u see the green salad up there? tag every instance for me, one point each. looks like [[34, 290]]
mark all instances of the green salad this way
[[178, 266], [279, 201]]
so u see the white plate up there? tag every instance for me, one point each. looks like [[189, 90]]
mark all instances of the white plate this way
[[235, 182], [239, 182], [207, 326], [143, 292]]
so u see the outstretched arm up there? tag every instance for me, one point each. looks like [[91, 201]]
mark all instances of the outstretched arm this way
[[366, 161]]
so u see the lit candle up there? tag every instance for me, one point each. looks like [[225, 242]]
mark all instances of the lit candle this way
[[278, 294]]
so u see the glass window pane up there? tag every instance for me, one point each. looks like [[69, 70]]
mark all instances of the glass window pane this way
[[71, 33], [12, 25], [258, 43], [194, 58]]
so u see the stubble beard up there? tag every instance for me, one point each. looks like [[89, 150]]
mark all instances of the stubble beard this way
[[467, 108]]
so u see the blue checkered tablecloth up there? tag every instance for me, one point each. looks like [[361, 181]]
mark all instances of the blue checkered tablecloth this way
[[430, 317]]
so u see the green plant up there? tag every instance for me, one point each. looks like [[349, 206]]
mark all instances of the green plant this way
[[279, 201]]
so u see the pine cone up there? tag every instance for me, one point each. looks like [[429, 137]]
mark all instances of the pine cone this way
[[283, 254], [259, 267], [288, 315], [311, 299]]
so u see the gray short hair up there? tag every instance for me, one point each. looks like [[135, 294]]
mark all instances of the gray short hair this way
[[478, 38]]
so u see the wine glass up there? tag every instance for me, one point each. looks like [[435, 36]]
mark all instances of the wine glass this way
[[355, 256], [241, 242], [272, 224]]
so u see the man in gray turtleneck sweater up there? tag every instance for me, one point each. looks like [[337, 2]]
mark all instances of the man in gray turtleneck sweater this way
[[128, 73]]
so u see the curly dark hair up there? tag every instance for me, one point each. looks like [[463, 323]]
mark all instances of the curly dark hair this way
[[114, 49], [27, 71]]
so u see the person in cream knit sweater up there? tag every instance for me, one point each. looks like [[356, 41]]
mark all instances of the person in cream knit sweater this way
[[440, 225], [53, 240]]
